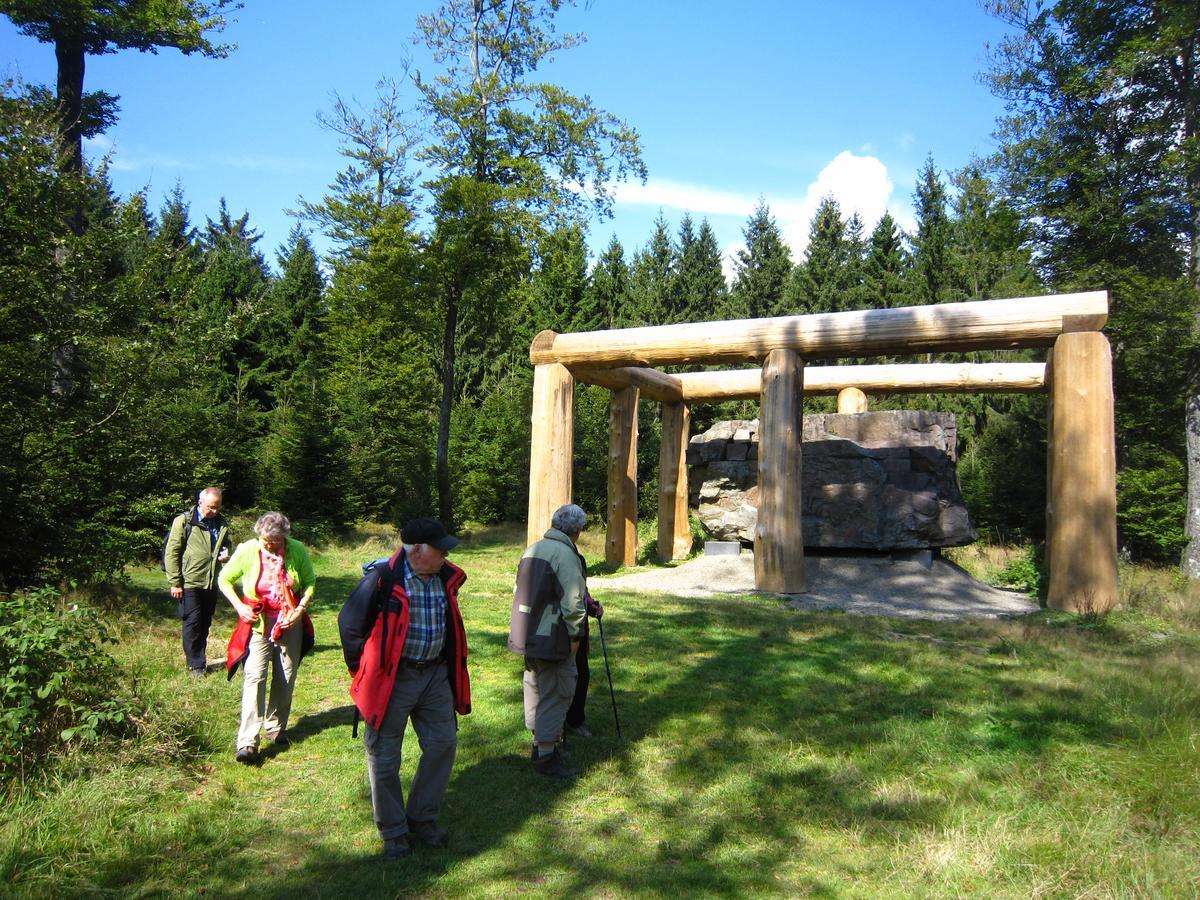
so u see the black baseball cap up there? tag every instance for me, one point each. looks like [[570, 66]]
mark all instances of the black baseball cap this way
[[428, 531]]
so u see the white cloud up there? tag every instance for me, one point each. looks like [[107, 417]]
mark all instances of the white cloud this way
[[695, 199], [859, 182], [732, 249], [102, 146], [267, 163]]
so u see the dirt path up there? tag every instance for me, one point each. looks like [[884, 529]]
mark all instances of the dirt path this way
[[873, 586]]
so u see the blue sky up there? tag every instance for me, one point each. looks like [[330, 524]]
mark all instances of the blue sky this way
[[787, 101]]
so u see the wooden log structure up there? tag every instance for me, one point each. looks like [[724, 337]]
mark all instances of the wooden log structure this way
[[778, 542], [653, 384], [674, 531], [552, 446], [851, 400], [898, 378], [620, 545], [1081, 503], [1081, 489], [981, 324]]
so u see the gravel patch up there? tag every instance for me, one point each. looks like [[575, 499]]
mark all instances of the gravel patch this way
[[864, 585]]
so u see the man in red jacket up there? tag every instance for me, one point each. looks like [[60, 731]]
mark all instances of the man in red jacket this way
[[413, 668]]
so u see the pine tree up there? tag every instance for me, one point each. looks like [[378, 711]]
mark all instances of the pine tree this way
[[762, 269], [559, 283], [653, 279], [821, 282], [988, 255], [226, 316], [931, 245], [886, 267], [703, 293], [610, 288]]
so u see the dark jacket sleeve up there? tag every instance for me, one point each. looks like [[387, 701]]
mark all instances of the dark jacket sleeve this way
[[357, 618]]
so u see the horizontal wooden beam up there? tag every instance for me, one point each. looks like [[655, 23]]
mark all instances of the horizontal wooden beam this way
[[934, 378], [653, 384], [981, 324]]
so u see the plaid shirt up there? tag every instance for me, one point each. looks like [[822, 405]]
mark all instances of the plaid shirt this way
[[426, 616]]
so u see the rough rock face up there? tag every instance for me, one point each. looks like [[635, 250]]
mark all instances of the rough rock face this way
[[875, 481]]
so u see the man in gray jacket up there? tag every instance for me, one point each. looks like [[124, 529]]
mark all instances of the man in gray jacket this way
[[547, 620], [198, 541]]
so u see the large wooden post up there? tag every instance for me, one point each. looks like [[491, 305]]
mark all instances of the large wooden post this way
[[1081, 490], [620, 547], [674, 533], [778, 541], [551, 447]]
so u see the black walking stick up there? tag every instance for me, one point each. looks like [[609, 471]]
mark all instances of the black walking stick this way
[[608, 671]]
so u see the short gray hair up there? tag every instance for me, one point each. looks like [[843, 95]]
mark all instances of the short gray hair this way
[[569, 519], [272, 525]]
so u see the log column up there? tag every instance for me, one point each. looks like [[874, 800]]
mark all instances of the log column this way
[[1081, 490], [551, 446], [674, 533], [778, 541], [620, 547]]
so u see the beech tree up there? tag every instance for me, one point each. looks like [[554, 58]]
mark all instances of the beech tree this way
[[509, 156], [1100, 155], [85, 28]]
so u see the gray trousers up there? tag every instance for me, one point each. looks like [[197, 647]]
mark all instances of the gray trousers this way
[[260, 712], [549, 690], [424, 697]]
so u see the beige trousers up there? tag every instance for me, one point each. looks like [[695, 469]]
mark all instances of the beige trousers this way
[[261, 712], [549, 688]]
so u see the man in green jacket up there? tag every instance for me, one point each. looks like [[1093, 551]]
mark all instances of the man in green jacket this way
[[548, 613], [198, 541]]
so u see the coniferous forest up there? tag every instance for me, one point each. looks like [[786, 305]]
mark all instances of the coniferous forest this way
[[150, 351]]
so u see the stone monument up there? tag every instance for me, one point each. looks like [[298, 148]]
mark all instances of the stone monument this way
[[871, 481]]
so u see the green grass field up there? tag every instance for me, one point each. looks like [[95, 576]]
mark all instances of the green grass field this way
[[766, 752]]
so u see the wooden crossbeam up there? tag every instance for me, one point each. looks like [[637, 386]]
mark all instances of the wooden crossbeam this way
[[937, 378], [981, 324]]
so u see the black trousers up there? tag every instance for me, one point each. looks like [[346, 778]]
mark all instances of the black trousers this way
[[196, 609], [575, 713]]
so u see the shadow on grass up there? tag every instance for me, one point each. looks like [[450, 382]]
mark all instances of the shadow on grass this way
[[746, 725], [306, 727]]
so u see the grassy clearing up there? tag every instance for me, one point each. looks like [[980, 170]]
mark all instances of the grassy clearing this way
[[767, 752]]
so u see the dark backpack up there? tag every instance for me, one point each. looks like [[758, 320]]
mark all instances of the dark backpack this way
[[358, 614], [189, 523]]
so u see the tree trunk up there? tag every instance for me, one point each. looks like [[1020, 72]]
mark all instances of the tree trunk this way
[[1191, 552], [1191, 125], [71, 60], [445, 510], [1191, 422]]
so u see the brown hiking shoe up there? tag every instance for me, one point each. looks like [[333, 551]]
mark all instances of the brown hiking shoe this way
[[553, 766], [428, 833], [396, 848]]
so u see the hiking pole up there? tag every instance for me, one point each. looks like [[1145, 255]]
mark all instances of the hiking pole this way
[[608, 671]]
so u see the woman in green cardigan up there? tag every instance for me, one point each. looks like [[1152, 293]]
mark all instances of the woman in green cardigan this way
[[276, 581]]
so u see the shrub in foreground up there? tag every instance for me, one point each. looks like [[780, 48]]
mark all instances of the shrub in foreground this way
[[58, 684]]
